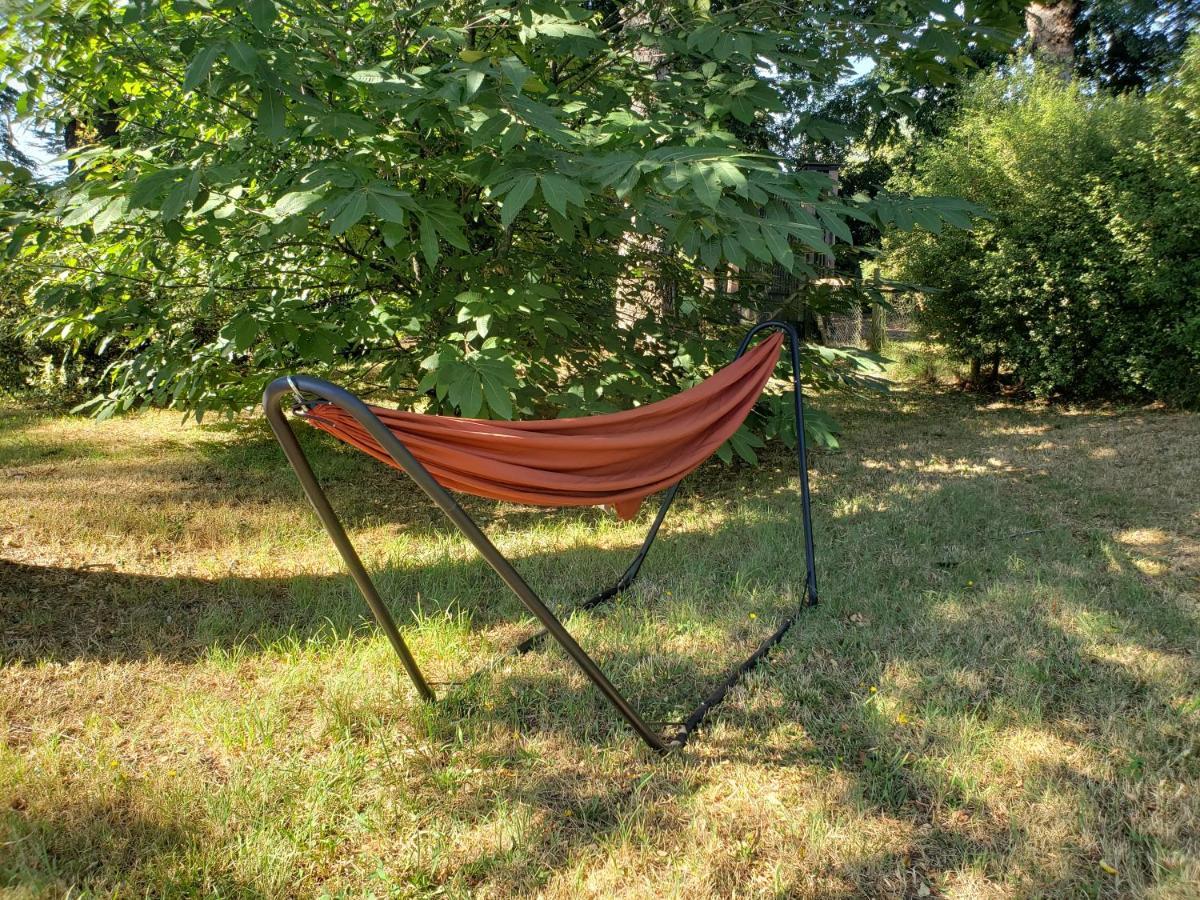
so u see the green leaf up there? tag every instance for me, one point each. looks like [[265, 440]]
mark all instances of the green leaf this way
[[262, 14], [243, 57], [240, 333], [472, 81], [353, 209], [464, 390], [387, 207], [112, 213], [499, 400], [179, 196], [84, 211], [429, 242], [705, 184], [271, 114], [927, 219], [148, 188], [778, 245], [733, 251], [516, 198], [560, 191], [294, 204], [18, 239], [198, 68], [835, 224], [744, 441]]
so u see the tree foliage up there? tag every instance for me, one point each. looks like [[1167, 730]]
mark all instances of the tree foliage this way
[[457, 202], [1117, 45], [1133, 44], [1086, 280]]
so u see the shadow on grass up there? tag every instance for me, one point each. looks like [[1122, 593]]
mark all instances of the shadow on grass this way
[[56, 853]]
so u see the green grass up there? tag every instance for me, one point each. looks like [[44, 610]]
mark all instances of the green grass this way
[[999, 695]]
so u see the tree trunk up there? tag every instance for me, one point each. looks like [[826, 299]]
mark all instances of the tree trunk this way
[[877, 332], [1051, 26]]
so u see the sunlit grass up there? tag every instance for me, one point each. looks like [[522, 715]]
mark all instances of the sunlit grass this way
[[999, 695]]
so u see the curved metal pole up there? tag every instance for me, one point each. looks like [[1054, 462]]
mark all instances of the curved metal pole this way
[[406, 461]]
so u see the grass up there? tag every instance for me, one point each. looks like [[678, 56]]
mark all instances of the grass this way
[[999, 696]]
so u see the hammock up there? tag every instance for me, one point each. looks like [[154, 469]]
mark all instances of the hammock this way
[[616, 459]]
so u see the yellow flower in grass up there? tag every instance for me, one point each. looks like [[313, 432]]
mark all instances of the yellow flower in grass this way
[[874, 690], [753, 616]]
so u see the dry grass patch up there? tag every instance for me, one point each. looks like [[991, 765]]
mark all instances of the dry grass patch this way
[[999, 697]]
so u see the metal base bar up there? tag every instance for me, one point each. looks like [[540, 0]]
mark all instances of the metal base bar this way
[[697, 716], [300, 385]]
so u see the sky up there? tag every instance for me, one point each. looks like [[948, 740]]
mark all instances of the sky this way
[[46, 168]]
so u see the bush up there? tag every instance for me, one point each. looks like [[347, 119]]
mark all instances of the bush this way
[[33, 365], [1085, 278]]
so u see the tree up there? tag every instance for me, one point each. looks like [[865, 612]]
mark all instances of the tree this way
[[1052, 30], [1133, 44], [1085, 279], [430, 199], [1119, 44]]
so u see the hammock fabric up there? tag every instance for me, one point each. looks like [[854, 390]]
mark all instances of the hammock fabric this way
[[614, 459]]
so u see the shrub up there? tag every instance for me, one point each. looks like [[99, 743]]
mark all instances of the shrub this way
[[1085, 277]]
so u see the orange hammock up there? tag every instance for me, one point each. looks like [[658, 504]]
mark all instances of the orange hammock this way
[[615, 459]]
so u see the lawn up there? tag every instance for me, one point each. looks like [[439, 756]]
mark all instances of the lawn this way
[[999, 695]]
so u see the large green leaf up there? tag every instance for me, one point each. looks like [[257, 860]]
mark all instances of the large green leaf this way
[[271, 111], [200, 65], [516, 198]]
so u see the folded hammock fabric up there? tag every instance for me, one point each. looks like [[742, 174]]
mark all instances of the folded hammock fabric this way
[[613, 459]]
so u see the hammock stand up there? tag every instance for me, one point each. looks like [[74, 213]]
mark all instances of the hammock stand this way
[[400, 455]]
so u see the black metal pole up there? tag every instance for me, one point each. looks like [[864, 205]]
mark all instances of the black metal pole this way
[[623, 583], [698, 715], [406, 461], [801, 444]]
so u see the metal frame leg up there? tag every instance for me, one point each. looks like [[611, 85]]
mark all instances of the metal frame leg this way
[[406, 461], [622, 584]]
